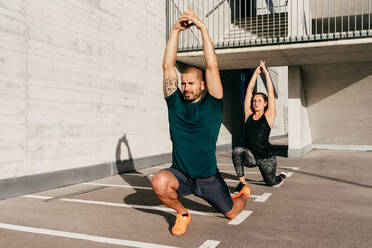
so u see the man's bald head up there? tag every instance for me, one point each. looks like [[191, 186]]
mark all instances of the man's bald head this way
[[192, 84], [194, 70]]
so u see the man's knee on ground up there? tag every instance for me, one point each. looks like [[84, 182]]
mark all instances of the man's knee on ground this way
[[159, 183]]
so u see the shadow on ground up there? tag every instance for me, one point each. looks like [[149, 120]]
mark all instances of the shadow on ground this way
[[146, 197], [332, 179]]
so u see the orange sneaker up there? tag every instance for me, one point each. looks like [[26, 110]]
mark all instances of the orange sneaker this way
[[245, 190], [180, 226]]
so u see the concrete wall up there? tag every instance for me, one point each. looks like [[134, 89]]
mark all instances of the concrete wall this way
[[81, 91], [299, 134], [339, 103], [75, 76]]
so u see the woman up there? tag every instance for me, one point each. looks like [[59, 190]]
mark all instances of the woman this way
[[260, 114]]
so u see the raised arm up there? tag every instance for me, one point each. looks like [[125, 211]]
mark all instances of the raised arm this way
[[271, 109], [212, 74], [170, 79], [249, 93]]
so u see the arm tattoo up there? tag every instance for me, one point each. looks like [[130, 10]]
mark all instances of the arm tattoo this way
[[170, 85]]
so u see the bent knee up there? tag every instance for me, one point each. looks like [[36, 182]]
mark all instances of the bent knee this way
[[160, 182]]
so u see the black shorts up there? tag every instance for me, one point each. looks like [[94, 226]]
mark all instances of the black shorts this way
[[212, 189]]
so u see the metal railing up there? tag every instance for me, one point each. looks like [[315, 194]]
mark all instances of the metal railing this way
[[240, 23]]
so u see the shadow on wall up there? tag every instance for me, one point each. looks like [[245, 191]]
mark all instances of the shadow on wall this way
[[322, 81], [127, 164], [141, 183]]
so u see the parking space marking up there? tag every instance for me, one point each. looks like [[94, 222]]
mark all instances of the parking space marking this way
[[231, 180], [286, 167], [210, 244], [289, 173], [263, 197], [222, 164], [163, 166], [123, 205], [259, 198], [279, 167], [224, 171], [246, 172], [118, 185], [240, 217], [137, 174], [81, 236]]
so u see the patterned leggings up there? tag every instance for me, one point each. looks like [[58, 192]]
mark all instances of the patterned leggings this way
[[243, 157]]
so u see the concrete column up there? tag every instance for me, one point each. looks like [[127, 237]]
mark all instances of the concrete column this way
[[299, 136]]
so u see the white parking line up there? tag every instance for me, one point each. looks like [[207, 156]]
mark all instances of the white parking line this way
[[263, 197], [210, 244], [246, 172], [280, 167], [225, 171], [81, 236], [241, 217], [137, 174], [231, 180], [286, 167], [167, 166], [289, 173], [259, 198], [163, 166], [113, 204], [118, 185]]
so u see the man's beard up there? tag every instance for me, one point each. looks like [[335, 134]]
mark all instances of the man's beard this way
[[190, 100]]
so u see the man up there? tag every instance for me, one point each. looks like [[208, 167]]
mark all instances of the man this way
[[194, 124]]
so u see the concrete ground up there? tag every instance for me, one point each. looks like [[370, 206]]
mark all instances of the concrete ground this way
[[326, 202]]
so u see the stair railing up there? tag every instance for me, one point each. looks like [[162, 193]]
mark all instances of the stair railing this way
[[240, 23]]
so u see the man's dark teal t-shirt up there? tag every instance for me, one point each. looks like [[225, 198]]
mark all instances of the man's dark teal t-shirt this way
[[194, 129]]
